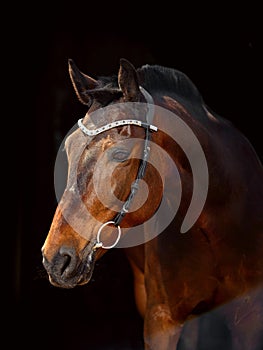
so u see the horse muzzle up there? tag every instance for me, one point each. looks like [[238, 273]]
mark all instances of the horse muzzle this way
[[66, 269]]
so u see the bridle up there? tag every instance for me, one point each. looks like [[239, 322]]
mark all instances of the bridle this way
[[141, 171]]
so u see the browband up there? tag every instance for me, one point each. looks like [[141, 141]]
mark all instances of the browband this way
[[149, 118], [94, 132]]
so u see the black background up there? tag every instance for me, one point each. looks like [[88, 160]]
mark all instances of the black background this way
[[218, 48]]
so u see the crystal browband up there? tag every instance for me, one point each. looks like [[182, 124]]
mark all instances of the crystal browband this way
[[94, 132]]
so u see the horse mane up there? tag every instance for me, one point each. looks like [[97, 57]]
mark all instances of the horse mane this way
[[156, 79], [160, 80]]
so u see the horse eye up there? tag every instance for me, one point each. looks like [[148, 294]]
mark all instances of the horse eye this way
[[120, 155]]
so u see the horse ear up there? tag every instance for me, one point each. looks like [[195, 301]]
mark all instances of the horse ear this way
[[81, 82], [128, 80]]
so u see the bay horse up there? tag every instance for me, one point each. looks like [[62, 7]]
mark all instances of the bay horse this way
[[154, 171]]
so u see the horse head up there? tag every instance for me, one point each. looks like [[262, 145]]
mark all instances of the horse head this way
[[107, 157]]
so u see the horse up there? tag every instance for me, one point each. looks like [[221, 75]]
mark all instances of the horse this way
[[153, 170]]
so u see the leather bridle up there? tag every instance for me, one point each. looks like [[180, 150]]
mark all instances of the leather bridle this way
[[141, 171]]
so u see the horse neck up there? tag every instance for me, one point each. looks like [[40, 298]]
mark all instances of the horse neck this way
[[136, 256]]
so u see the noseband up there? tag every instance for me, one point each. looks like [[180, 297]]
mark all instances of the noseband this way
[[141, 171]]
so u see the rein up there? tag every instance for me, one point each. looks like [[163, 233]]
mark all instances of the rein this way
[[141, 171]]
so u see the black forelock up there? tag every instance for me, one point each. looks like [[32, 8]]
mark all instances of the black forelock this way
[[108, 82]]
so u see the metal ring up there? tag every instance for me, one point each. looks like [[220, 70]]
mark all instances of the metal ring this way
[[99, 232]]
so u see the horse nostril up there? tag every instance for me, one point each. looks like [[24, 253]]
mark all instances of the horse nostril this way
[[62, 265], [68, 260]]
